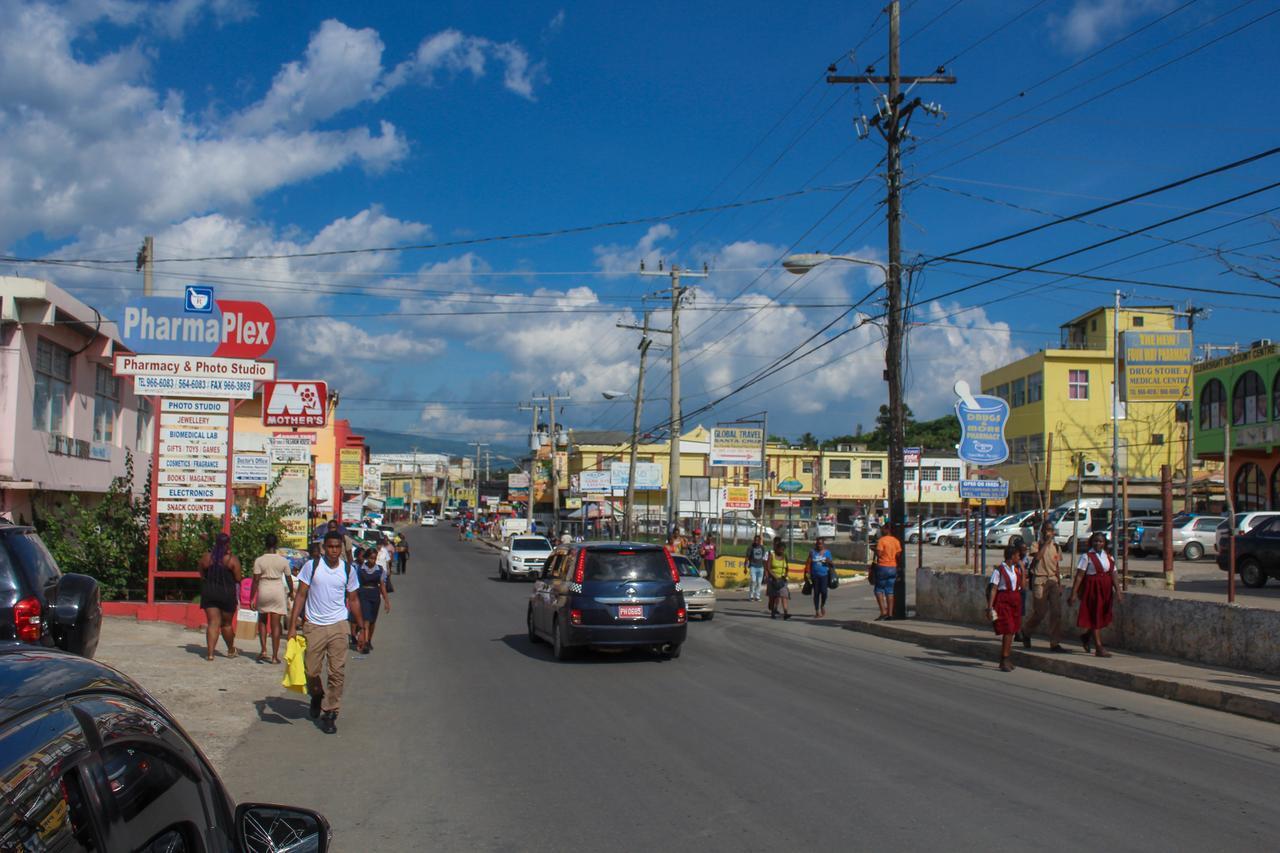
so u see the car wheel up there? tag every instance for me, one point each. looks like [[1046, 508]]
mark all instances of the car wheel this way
[[913, 538], [559, 647], [533, 635], [1193, 551], [1251, 573], [707, 617], [502, 573], [671, 651]]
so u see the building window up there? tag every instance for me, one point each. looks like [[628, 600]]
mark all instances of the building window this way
[[1213, 404], [1138, 322], [1093, 324], [840, 469], [1250, 488], [873, 469], [53, 386], [1035, 387], [143, 437], [106, 403], [1035, 447], [1002, 391], [1248, 400], [1077, 384], [928, 475], [1019, 393], [951, 475], [909, 474], [806, 467], [1275, 487]]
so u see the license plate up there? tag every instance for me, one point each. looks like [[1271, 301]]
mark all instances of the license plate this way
[[631, 611]]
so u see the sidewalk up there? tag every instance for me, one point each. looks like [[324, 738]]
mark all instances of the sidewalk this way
[[1234, 691]]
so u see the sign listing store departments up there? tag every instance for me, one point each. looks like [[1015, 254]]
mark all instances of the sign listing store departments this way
[[196, 407], [192, 466]]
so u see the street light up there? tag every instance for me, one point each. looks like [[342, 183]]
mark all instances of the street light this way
[[615, 395], [801, 264]]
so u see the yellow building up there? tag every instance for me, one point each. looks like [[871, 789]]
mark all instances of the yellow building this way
[[1063, 395]]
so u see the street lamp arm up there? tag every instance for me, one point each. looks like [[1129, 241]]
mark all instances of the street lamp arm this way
[[803, 263]]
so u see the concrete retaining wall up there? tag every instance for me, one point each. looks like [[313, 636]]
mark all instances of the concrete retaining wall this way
[[1209, 632]]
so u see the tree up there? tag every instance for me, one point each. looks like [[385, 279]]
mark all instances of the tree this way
[[106, 540], [809, 441]]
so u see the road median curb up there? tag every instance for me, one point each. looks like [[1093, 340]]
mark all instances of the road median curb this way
[[1074, 666]]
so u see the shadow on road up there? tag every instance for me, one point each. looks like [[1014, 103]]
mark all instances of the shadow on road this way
[[281, 710], [542, 652], [949, 661], [1248, 685]]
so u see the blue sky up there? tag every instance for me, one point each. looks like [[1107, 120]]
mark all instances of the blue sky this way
[[232, 128]]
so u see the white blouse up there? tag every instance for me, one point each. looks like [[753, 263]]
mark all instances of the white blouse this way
[[1086, 563], [1004, 578]]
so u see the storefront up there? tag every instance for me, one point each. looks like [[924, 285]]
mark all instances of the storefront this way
[[1240, 393]]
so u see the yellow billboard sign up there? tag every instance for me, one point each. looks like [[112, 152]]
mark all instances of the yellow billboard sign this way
[[1156, 366], [351, 468]]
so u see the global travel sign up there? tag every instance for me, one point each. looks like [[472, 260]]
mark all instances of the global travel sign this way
[[197, 325]]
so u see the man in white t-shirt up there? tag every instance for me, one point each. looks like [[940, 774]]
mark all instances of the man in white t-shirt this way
[[326, 592]]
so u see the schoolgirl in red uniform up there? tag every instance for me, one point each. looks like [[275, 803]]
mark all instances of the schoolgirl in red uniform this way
[[1097, 585], [1004, 602]]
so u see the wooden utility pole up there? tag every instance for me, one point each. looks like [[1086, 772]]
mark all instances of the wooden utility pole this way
[[550, 400], [1189, 456], [891, 120], [146, 263], [533, 458], [677, 424], [629, 518]]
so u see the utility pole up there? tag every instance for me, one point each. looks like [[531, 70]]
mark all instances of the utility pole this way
[[645, 341], [533, 458], [550, 400], [1116, 524], [475, 474], [146, 263], [1189, 497], [677, 424], [891, 120]]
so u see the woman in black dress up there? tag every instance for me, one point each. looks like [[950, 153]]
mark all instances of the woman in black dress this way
[[373, 587], [219, 594]]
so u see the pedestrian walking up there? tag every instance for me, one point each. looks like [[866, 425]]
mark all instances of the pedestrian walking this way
[[756, 556], [1046, 590], [707, 551], [326, 591], [1097, 586], [778, 570], [269, 597], [817, 572], [1004, 603], [402, 553], [885, 571], [373, 590], [219, 591]]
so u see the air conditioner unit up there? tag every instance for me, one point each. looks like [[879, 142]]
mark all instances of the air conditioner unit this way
[[1092, 469]]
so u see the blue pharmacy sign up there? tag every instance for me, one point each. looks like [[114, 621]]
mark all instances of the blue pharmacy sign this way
[[982, 419]]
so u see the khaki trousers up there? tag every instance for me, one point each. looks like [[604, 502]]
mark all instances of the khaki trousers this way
[[1046, 596], [326, 641]]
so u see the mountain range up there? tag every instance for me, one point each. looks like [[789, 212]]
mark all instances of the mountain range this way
[[385, 441]]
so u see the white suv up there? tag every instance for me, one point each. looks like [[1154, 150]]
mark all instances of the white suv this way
[[1245, 521], [524, 556]]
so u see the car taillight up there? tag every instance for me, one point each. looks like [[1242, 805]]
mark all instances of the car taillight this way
[[575, 617], [581, 570], [671, 564], [681, 616], [26, 619]]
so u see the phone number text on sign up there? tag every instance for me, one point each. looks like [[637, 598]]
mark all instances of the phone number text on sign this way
[[160, 386]]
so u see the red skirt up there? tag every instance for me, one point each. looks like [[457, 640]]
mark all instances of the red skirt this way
[[1008, 611], [1096, 595]]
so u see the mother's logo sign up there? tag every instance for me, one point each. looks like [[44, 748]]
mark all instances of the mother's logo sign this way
[[163, 325]]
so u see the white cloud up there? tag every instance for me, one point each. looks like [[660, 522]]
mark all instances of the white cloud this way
[[439, 418], [342, 68], [1088, 22], [176, 17], [450, 52]]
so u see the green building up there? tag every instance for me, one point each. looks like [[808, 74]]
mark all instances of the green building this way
[[1242, 390]]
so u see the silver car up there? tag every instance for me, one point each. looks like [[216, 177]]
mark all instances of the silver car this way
[[523, 556], [1192, 536], [699, 594]]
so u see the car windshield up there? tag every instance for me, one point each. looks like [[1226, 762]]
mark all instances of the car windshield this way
[[647, 565], [687, 568], [530, 543], [1003, 520]]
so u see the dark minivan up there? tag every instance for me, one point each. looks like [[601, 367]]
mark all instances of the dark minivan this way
[[612, 595], [89, 761], [38, 603]]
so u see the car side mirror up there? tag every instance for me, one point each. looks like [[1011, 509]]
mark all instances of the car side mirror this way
[[263, 828]]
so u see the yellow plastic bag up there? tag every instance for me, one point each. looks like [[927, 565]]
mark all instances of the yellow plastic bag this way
[[295, 670]]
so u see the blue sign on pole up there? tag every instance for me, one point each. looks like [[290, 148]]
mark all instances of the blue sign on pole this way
[[982, 419], [984, 490]]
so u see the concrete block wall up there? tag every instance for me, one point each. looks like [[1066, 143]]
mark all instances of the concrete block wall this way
[[1207, 632]]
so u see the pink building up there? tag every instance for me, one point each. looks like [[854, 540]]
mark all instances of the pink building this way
[[65, 422]]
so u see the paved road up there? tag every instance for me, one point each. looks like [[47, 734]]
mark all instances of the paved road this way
[[459, 735]]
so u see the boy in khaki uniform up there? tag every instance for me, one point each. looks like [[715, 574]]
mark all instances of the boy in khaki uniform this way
[[1046, 590]]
